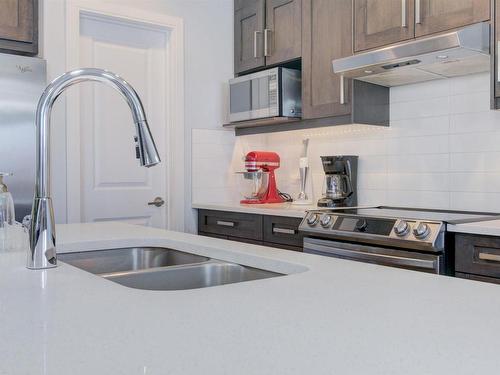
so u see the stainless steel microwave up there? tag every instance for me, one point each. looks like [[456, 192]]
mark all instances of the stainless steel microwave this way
[[274, 92]]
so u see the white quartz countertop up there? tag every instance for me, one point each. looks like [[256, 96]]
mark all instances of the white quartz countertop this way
[[487, 228], [276, 209], [329, 316]]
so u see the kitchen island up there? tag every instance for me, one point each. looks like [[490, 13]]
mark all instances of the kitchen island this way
[[327, 316]]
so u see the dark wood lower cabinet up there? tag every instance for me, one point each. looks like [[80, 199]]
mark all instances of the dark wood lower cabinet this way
[[477, 278], [477, 257], [273, 231]]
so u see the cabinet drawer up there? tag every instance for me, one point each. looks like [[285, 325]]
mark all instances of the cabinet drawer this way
[[230, 224], [485, 279], [479, 255], [282, 230]]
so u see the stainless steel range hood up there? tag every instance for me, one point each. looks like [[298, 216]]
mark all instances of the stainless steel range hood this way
[[456, 53]]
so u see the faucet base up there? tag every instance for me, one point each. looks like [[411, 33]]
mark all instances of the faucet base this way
[[42, 251]]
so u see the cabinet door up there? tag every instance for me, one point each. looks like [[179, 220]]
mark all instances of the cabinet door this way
[[326, 35], [477, 255], [231, 224], [377, 23], [432, 16], [283, 230], [283, 33], [248, 35], [18, 26]]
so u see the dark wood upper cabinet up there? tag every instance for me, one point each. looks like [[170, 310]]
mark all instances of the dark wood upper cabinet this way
[[249, 23], [19, 26], [433, 16], [378, 23], [326, 35], [283, 31]]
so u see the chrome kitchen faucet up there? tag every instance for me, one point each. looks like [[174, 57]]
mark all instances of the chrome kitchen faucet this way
[[42, 252]]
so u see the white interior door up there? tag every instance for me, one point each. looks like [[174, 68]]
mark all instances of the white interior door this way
[[113, 185]]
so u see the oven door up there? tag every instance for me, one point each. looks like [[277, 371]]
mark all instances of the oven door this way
[[254, 96], [431, 263]]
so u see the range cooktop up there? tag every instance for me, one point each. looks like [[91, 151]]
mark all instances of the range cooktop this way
[[421, 229], [447, 216]]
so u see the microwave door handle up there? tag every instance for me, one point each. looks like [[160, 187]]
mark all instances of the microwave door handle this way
[[389, 259]]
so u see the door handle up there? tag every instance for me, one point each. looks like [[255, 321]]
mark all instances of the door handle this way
[[158, 202], [255, 49], [418, 19], [266, 42], [342, 90], [283, 230], [225, 223], [490, 257], [403, 13]]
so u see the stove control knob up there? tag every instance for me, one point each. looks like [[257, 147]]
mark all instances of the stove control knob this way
[[421, 231], [313, 219], [402, 228], [361, 225], [325, 220]]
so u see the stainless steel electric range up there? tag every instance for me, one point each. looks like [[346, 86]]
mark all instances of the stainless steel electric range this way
[[393, 236]]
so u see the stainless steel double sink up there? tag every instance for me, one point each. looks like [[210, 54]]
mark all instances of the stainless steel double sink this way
[[155, 268]]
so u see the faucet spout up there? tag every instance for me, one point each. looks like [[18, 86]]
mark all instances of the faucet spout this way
[[42, 252]]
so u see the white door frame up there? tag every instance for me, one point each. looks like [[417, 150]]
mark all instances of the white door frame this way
[[174, 84]]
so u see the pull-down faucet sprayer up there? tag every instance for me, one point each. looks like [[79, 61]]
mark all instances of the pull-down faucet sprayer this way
[[42, 252]]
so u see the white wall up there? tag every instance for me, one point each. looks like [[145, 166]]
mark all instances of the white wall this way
[[442, 149], [208, 46]]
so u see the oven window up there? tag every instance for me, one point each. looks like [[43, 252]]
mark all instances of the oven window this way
[[241, 97]]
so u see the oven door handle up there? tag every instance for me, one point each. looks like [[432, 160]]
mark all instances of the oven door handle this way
[[374, 257]]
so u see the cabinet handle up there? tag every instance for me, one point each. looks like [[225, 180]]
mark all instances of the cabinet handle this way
[[487, 256], [417, 12], [284, 230], [225, 223], [255, 35], [403, 13], [342, 90], [266, 42]]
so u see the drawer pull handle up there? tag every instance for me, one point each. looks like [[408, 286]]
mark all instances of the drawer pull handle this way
[[487, 256], [284, 231], [225, 223]]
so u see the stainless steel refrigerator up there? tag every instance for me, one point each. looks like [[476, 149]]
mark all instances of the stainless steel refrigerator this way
[[22, 80]]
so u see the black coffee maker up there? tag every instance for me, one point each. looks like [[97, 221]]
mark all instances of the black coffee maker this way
[[339, 188]]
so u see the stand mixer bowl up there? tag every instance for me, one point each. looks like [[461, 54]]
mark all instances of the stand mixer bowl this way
[[253, 185]]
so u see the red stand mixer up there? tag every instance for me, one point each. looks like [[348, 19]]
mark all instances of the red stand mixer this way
[[260, 178]]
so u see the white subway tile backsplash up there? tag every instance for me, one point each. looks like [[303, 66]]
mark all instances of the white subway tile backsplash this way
[[372, 181], [475, 162], [477, 142], [430, 107], [417, 145], [442, 150], [489, 202], [419, 127], [475, 182], [425, 163], [475, 122], [470, 102], [469, 84], [418, 181], [425, 199], [420, 91]]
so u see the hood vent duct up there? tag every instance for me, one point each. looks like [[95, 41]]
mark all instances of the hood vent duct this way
[[460, 52]]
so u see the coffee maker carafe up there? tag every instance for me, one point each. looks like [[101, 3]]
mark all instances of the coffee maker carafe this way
[[339, 188]]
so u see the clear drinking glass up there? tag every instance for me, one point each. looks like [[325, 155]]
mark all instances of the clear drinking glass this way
[[7, 216]]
